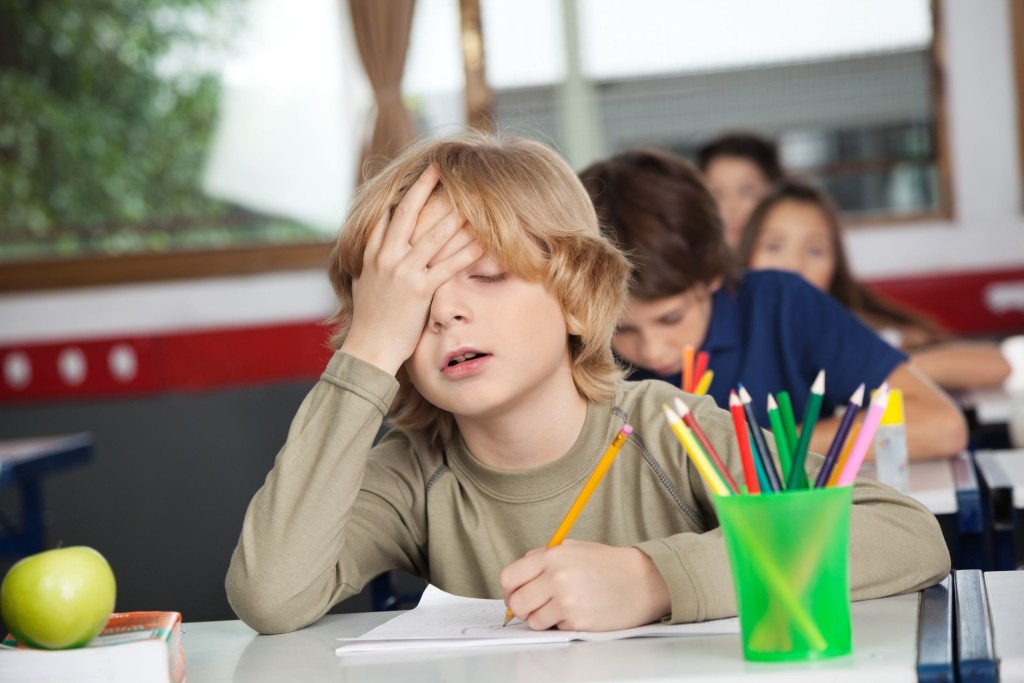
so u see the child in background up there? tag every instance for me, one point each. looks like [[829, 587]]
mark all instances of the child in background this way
[[477, 303], [796, 228], [769, 330], [739, 169]]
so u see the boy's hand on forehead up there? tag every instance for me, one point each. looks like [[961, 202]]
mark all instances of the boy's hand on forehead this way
[[434, 223], [408, 256]]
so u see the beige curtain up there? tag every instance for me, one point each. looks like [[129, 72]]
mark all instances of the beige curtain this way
[[382, 30]]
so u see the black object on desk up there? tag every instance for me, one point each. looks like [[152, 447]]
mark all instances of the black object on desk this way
[[23, 465], [935, 663], [975, 645], [998, 489]]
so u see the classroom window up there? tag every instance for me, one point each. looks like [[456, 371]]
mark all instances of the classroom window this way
[[169, 139], [852, 101]]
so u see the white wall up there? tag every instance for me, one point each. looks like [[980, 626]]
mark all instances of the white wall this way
[[986, 231], [987, 228]]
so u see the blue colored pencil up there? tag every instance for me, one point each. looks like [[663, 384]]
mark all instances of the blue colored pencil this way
[[758, 436]]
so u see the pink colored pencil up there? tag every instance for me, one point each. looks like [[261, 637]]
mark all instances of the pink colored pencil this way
[[867, 432]]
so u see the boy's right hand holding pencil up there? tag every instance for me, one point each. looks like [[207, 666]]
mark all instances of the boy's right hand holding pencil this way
[[421, 245]]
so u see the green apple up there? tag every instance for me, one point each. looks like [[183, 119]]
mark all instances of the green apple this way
[[58, 598]]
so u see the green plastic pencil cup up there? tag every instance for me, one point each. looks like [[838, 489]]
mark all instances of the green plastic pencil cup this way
[[789, 555]]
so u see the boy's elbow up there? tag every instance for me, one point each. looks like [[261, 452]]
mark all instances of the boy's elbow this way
[[264, 605], [262, 614]]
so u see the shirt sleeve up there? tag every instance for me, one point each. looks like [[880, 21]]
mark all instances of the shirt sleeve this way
[[324, 522]]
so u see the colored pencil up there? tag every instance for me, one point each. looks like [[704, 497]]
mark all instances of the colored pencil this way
[[762, 447], [688, 380], [867, 432], [834, 450], [696, 453], [762, 478], [700, 366], [705, 382], [746, 456], [781, 441], [584, 495], [798, 476], [691, 422], [844, 456], [788, 421]]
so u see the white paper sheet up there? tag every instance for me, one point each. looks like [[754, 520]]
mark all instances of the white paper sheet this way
[[442, 620]]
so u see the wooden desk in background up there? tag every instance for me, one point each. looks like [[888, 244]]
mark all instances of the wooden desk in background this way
[[885, 648], [24, 463]]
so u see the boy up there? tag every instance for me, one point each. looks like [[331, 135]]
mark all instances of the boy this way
[[478, 299], [769, 330]]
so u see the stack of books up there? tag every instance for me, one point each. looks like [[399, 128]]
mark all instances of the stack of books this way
[[135, 647]]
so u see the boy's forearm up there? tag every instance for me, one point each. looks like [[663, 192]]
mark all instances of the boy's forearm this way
[[283, 572]]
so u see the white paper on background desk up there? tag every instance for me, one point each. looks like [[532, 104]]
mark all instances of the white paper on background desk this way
[[442, 620]]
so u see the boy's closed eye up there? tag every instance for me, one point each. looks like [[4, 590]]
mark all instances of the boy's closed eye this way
[[489, 278]]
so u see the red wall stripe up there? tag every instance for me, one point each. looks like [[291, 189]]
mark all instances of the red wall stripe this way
[[959, 301], [193, 361], [213, 359]]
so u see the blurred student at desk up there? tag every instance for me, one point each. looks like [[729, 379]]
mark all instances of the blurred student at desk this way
[[739, 169], [768, 330], [796, 228], [478, 299]]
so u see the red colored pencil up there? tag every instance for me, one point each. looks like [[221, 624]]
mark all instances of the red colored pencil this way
[[699, 366], [739, 423], [691, 422]]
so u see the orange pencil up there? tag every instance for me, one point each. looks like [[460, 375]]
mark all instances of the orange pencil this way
[[688, 376], [584, 495]]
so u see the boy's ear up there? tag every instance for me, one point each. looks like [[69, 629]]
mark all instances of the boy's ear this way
[[714, 284]]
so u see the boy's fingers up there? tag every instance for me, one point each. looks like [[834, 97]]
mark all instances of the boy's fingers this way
[[376, 239], [520, 572], [406, 214], [447, 268], [458, 241]]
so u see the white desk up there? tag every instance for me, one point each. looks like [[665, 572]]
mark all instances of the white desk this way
[[990, 406], [884, 648], [1005, 599]]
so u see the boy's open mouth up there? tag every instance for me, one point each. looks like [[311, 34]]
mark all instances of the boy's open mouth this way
[[464, 357]]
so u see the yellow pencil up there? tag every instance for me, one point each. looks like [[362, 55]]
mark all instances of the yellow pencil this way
[[702, 462], [584, 495], [705, 382]]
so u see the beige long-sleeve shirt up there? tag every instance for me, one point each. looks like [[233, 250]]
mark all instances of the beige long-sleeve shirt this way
[[336, 511]]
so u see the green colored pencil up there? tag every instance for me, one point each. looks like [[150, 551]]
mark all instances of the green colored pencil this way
[[781, 441], [788, 419], [797, 476]]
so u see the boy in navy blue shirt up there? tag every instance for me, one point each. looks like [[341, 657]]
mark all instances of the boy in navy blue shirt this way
[[769, 330]]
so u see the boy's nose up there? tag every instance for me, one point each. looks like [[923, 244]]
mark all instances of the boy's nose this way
[[448, 306]]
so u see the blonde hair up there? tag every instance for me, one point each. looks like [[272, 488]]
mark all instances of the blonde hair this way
[[529, 211]]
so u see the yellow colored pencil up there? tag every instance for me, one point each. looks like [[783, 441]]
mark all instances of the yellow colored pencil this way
[[705, 382], [584, 495], [702, 462]]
